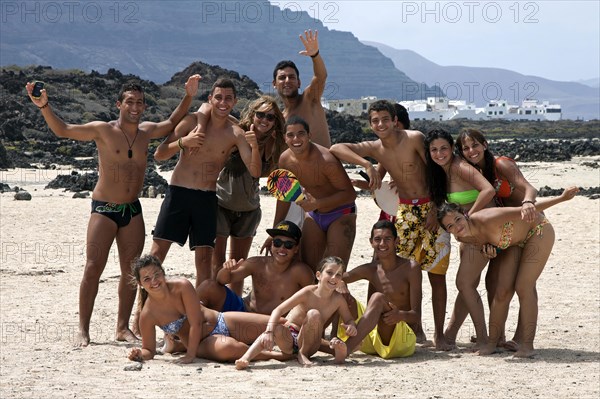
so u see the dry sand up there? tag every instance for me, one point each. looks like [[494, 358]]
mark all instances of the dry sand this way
[[42, 258]]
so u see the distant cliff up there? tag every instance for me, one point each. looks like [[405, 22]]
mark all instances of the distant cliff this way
[[155, 39], [479, 85]]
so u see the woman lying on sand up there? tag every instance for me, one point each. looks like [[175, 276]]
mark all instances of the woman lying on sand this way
[[173, 306]]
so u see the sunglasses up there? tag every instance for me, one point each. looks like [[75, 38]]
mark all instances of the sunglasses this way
[[287, 244], [262, 115]]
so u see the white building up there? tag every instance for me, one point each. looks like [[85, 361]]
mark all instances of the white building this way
[[349, 106], [442, 109]]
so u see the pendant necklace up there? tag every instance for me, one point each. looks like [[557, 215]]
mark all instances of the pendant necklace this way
[[129, 152]]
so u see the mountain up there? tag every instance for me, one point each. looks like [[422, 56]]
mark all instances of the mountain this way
[[478, 85], [155, 39], [595, 83]]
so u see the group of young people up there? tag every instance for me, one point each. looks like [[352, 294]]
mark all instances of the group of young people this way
[[213, 201]]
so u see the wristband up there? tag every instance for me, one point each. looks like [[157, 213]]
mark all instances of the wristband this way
[[315, 54], [527, 202], [44, 106], [180, 144]]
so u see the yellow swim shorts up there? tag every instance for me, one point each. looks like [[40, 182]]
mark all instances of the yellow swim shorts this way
[[402, 343]]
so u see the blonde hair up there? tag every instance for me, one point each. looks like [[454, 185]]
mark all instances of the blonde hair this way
[[276, 132]]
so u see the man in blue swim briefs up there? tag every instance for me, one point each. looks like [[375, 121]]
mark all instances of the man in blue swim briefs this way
[[402, 153], [275, 278], [330, 225], [190, 206], [116, 210]]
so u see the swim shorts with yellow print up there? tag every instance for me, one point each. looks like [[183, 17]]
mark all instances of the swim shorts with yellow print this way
[[431, 250]]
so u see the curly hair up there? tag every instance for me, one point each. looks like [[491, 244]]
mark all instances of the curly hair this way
[[267, 103]]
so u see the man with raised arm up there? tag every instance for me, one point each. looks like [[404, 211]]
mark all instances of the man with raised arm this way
[[116, 210], [307, 105]]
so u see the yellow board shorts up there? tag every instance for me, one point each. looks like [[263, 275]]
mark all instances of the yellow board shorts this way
[[431, 250], [402, 343]]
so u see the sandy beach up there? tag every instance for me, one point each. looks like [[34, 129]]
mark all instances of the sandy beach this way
[[42, 257]]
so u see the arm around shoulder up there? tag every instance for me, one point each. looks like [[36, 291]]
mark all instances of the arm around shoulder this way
[[172, 144]]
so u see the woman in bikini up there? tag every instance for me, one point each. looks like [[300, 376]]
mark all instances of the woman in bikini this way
[[504, 227], [453, 180], [173, 306], [512, 189]]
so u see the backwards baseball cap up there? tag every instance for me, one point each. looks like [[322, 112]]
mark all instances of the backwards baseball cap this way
[[287, 229]]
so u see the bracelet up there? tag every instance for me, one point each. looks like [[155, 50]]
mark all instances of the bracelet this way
[[44, 106], [527, 202], [180, 144], [315, 54]]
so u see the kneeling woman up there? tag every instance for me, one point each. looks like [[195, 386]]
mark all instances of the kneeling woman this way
[[502, 228], [173, 306]]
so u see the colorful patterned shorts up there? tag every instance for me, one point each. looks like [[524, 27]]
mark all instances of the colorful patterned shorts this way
[[431, 250]]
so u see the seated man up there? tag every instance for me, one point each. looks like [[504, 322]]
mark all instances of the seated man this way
[[275, 278], [383, 328]]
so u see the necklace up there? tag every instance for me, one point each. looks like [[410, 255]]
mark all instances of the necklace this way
[[129, 152]]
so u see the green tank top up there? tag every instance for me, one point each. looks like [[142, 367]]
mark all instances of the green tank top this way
[[463, 197]]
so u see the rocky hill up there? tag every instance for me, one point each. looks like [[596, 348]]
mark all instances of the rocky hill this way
[[80, 97]]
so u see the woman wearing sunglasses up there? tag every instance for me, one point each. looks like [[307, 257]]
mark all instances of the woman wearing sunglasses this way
[[239, 212]]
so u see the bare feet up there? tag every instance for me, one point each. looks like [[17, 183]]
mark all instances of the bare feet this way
[[525, 351], [169, 345], [487, 350], [340, 350], [511, 345], [479, 346], [442, 344], [448, 337], [83, 338], [126, 335], [303, 360], [421, 337], [241, 364]]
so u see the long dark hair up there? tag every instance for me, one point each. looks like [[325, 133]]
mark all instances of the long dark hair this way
[[437, 180], [489, 169]]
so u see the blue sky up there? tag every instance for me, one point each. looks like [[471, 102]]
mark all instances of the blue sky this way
[[554, 39]]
